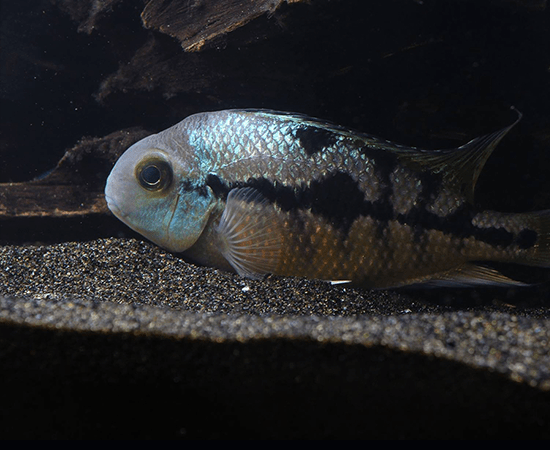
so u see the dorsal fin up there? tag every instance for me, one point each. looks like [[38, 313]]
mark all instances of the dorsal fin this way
[[459, 167]]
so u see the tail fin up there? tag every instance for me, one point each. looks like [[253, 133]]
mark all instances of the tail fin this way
[[530, 247]]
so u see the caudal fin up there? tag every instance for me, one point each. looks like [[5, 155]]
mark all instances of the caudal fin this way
[[530, 247]]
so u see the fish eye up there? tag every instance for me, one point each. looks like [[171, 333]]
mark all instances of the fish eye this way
[[154, 174]]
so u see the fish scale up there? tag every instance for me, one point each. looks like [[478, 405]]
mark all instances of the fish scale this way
[[258, 192]]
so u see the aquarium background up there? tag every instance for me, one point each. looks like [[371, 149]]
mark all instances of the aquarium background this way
[[136, 344]]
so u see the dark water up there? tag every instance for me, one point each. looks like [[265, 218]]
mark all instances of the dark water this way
[[432, 74]]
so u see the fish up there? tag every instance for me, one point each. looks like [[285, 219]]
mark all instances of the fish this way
[[261, 192]]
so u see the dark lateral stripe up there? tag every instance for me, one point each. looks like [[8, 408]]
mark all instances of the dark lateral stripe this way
[[460, 224], [314, 139], [189, 186], [526, 239], [338, 199]]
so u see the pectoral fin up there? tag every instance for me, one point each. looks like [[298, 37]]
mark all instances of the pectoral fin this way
[[250, 233]]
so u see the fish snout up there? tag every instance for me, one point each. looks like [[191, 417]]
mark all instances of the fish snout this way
[[113, 207]]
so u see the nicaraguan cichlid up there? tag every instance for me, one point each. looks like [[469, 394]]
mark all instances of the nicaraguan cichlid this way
[[261, 192]]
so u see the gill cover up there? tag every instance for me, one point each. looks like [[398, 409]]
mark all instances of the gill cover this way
[[150, 190]]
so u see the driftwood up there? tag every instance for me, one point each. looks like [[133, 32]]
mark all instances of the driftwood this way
[[196, 23], [74, 188], [26, 200], [192, 23]]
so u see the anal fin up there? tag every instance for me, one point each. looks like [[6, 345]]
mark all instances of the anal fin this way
[[470, 275], [250, 233]]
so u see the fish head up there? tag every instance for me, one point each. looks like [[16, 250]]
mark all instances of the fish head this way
[[152, 189]]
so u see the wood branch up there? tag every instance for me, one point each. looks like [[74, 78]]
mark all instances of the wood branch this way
[[196, 23], [30, 200], [75, 187]]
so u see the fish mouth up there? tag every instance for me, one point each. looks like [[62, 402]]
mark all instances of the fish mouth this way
[[113, 207]]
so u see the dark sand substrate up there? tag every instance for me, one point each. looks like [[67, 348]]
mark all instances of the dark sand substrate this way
[[117, 338]]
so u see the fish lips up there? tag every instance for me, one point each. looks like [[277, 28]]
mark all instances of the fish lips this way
[[113, 207]]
